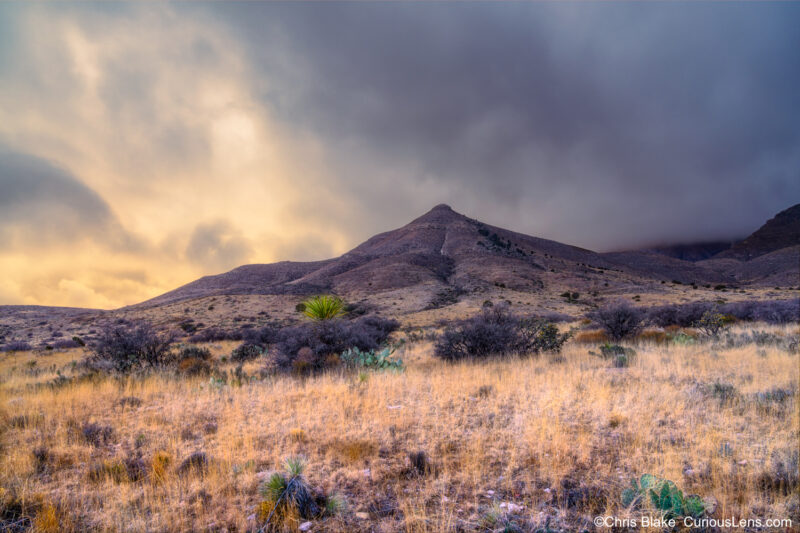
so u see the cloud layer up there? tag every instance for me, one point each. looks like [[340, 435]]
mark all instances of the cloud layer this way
[[167, 142]]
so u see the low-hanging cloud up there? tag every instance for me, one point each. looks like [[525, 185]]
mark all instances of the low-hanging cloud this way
[[606, 126]]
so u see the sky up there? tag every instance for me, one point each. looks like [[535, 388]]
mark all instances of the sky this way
[[144, 145]]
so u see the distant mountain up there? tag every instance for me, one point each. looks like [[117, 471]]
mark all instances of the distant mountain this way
[[446, 251], [693, 252], [780, 232]]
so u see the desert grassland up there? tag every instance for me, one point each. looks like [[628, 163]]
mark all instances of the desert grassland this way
[[560, 437]]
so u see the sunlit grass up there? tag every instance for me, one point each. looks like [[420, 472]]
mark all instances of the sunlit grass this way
[[524, 429]]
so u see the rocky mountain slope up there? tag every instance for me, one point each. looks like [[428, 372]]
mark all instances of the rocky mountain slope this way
[[778, 233], [446, 265], [449, 251]]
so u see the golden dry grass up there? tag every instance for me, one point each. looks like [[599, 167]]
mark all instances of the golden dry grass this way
[[561, 439]]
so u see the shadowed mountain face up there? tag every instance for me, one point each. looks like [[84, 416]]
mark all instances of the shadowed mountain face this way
[[780, 232], [446, 251], [693, 252]]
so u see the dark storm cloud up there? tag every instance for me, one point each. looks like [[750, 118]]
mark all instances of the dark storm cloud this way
[[605, 126], [43, 204]]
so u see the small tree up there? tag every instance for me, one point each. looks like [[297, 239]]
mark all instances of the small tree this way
[[619, 320]]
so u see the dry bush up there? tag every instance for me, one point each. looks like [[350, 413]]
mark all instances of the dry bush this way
[[655, 336], [593, 336], [620, 320], [312, 346], [131, 345], [496, 331]]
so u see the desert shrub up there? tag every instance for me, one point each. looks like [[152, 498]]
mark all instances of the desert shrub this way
[[663, 496], [683, 315], [760, 338], [192, 366], [724, 392], [773, 400], [246, 351], [188, 326], [356, 309], [496, 332], [65, 344], [571, 297], [196, 462], [782, 474], [484, 391], [592, 336], [686, 315], [492, 332], [769, 311], [712, 323], [16, 514], [775, 394], [194, 352], [320, 341], [215, 335], [620, 356], [445, 297], [289, 498], [325, 307], [97, 434], [128, 346], [538, 336], [656, 336], [263, 336], [114, 470], [420, 463], [194, 361], [378, 328], [129, 401], [298, 435], [42, 457], [619, 320], [17, 346], [381, 360]]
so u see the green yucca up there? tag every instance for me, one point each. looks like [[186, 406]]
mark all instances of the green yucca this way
[[323, 307]]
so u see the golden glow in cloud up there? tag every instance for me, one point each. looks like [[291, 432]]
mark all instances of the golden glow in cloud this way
[[158, 117]]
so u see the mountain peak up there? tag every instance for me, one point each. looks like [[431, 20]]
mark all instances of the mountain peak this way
[[440, 214]]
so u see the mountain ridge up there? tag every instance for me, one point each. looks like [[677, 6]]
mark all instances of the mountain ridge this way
[[447, 249]]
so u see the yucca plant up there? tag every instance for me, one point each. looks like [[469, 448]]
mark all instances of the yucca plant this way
[[289, 498], [324, 307]]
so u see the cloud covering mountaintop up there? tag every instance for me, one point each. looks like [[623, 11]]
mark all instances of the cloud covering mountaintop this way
[[146, 145]]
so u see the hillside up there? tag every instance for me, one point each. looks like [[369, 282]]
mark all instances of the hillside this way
[[445, 250], [445, 265], [781, 231]]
